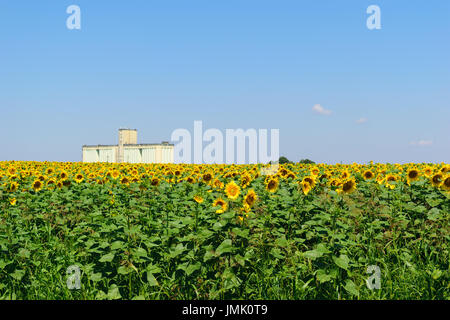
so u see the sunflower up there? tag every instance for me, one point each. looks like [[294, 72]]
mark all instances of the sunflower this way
[[63, 175], [311, 180], [190, 179], [198, 199], [436, 180], [222, 204], [51, 183], [245, 180], [207, 177], [155, 182], [37, 185], [115, 174], [125, 181], [368, 174], [250, 198], [428, 171], [344, 175], [412, 175], [315, 171], [13, 201], [13, 187], [306, 187], [272, 185], [218, 184], [446, 183], [349, 186], [78, 178], [232, 190]]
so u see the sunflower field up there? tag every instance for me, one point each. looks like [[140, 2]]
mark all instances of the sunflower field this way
[[179, 231]]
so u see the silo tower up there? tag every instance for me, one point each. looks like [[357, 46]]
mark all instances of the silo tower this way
[[126, 136]]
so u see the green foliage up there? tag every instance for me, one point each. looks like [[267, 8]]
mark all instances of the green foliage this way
[[157, 243], [283, 160]]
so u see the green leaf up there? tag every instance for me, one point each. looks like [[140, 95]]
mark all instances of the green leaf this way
[[342, 261], [107, 257], [434, 214], [351, 288], [192, 268], [281, 242], [96, 277], [3, 264], [436, 274], [151, 279], [225, 247], [114, 293], [117, 245], [123, 270], [276, 252], [323, 276], [312, 254], [24, 253], [18, 274]]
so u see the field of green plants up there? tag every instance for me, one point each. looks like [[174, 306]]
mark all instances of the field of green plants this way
[[165, 240]]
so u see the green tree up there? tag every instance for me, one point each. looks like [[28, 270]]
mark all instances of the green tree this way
[[283, 160], [307, 161]]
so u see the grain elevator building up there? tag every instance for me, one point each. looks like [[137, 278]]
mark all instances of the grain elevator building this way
[[128, 150]]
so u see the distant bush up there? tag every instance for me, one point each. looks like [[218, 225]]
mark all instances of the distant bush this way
[[283, 160]]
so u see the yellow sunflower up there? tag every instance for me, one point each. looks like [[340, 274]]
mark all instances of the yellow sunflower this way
[[272, 185], [306, 187], [79, 178], [412, 175], [198, 199], [368, 174], [232, 190], [222, 204], [436, 180], [446, 183], [250, 198], [37, 185], [349, 186]]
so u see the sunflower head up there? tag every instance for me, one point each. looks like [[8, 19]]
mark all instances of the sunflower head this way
[[446, 183], [412, 174], [155, 182], [78, 178], [436, 180], [349, 186], [306, 187], [250, 198], [232, 190], [37, 185], [198, 199], [368, 174], [272, 185], [220, 203]]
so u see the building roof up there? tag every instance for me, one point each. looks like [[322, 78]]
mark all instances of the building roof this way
[[130, 145]]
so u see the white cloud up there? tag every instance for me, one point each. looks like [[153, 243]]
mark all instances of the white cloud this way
[[421, 143], [361, 120], [321, 110]]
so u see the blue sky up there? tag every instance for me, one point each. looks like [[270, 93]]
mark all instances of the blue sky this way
[[160, 65]]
